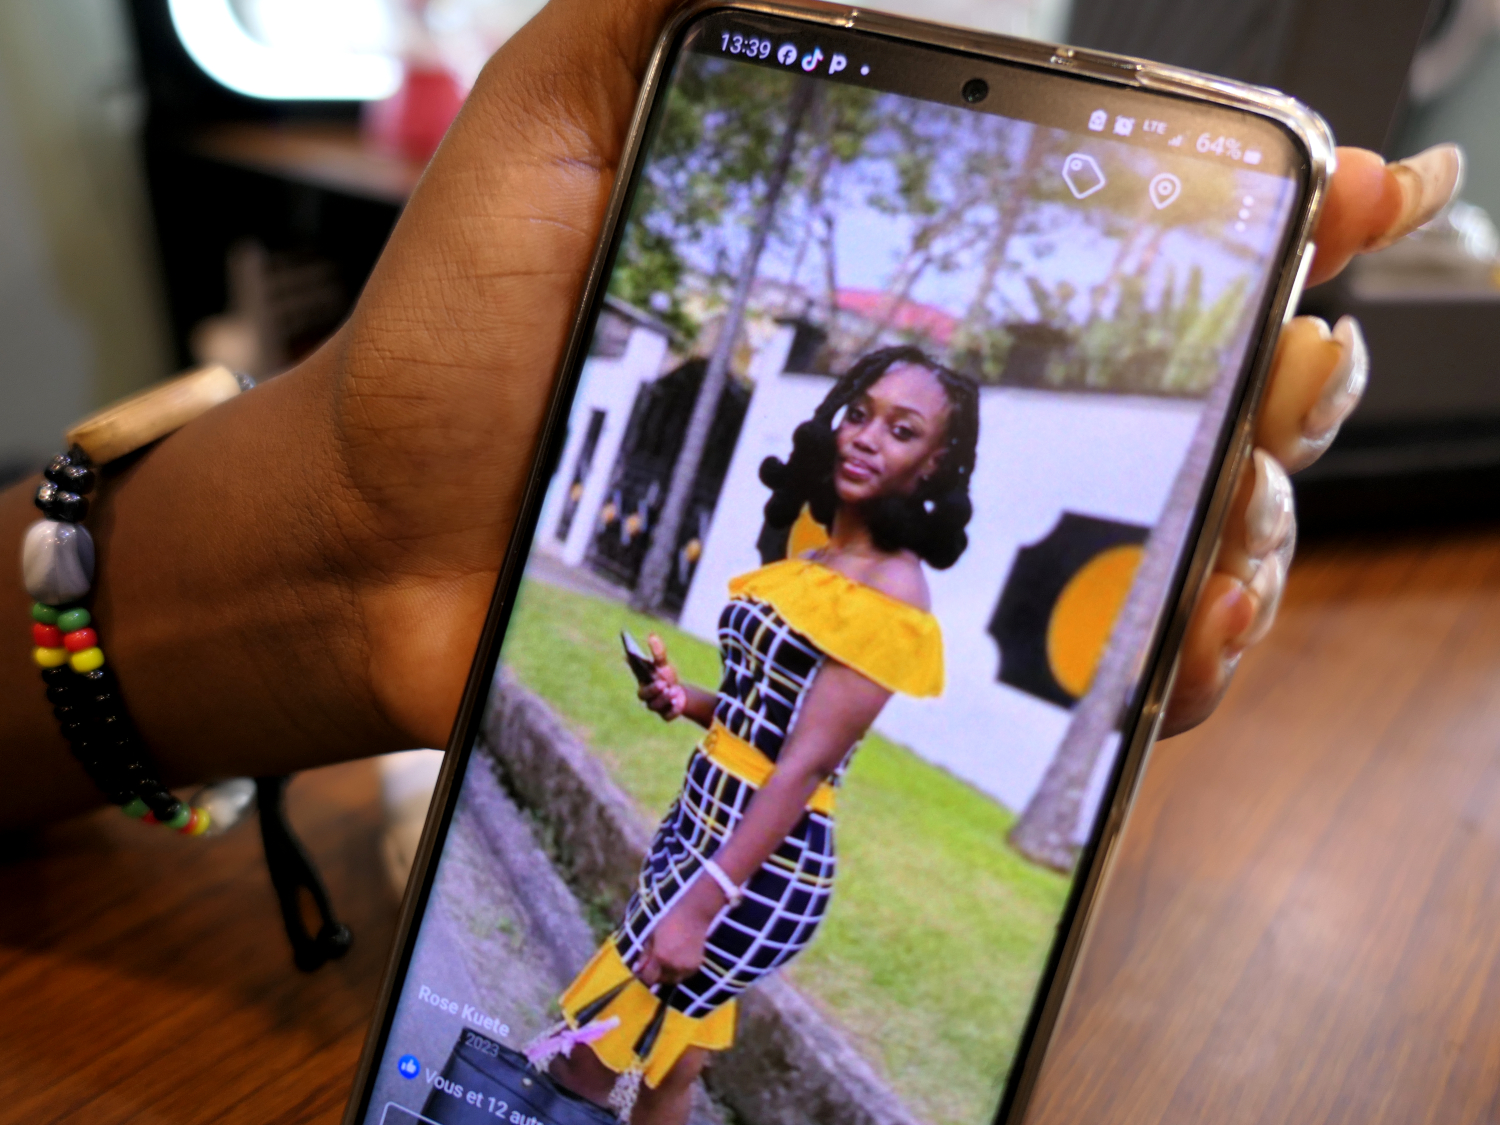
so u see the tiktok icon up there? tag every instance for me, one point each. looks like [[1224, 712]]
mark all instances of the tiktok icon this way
[[810, 61]]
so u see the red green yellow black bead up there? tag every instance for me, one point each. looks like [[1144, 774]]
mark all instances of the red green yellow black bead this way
[[184, 815], [69, 620]]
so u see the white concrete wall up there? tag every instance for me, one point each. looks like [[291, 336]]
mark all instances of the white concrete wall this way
[[1041, 453], [609, 385]]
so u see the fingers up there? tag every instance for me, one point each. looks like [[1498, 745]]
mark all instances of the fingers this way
[[658, 649], [664, 696], [1240, 599], [654, 970], [1371, 203], [648, 972], [1427, 182], [1208, 660], [1259, 541], [1316, 382]]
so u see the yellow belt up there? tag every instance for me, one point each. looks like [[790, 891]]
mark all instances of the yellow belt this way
[[736, 756]]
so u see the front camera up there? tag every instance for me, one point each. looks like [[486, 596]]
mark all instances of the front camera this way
[[976, 90]]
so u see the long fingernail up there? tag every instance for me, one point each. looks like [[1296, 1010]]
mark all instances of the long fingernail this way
[[1238, 610], [1265, 589], [1268, 516], [1428, 181], [1345, 385]]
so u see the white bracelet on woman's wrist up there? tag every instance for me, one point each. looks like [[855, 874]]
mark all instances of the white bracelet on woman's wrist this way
[[733, 892]]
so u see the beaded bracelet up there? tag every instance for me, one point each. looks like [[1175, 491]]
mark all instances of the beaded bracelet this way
[[57, 563]]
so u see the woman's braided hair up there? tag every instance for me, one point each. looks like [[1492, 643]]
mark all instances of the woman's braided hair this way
[[931, 520]]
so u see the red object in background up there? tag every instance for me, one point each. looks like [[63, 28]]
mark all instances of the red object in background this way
[[412, 121]]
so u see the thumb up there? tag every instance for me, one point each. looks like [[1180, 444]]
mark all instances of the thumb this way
[[658, 649]]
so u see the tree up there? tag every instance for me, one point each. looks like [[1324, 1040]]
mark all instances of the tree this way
[[711, 152], [1044, 833], [657, 565]]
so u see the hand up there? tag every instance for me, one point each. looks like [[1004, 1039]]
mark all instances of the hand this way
[[664, 694], [674, 951], [1316, 381], [445, 364], [345, 522]]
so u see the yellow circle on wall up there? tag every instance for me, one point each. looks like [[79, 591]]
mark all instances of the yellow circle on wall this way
[[1085, 613]]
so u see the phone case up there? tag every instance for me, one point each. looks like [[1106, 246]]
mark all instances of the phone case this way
[[1095, 861]]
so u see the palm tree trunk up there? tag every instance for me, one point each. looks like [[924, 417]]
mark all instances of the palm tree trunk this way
[[657, 565], [968, 337], [1045, 831]]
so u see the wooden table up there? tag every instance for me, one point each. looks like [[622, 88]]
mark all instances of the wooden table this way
[[1305, 925], [146, 978], [1304, 928]]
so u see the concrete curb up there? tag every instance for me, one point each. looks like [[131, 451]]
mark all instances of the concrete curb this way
[[789, 1064], [554, 922]]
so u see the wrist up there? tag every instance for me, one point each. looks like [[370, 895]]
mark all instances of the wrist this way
[[703, 901], [222, 585]]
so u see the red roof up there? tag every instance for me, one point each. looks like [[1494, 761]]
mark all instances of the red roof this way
[[908, 316]]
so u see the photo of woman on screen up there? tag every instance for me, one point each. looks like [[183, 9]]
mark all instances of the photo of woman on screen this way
[[741, 870]]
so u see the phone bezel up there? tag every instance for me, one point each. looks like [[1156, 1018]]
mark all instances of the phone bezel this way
[[1143, 713]]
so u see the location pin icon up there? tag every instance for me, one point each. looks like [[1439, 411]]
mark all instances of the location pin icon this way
[[1164, 190]]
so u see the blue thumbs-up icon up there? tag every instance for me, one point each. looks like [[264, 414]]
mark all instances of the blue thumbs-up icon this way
[[409, 1066]]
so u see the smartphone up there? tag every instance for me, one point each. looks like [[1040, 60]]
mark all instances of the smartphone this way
[[905, 401], [637, 659]]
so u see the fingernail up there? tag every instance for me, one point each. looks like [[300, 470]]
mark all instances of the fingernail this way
[[1428, 181], [1236, 607], [1265, 590], [1345, 385], [1269, 515]]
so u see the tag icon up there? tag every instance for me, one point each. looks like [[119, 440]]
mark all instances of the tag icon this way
[[1082, 174], [1164, 190]]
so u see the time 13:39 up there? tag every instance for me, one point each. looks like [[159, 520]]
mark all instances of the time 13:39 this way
[[748, 45]]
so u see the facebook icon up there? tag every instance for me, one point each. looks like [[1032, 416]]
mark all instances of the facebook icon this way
[[409, 1066]]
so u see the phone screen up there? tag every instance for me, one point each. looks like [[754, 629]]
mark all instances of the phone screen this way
[[902, 393]]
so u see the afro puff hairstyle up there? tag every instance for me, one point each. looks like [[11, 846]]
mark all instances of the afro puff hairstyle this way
[[929, 521]]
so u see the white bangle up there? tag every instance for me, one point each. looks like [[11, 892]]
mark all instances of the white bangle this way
[[732, 892]]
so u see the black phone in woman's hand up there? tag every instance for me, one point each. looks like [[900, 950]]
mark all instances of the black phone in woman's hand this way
[[641, 664]]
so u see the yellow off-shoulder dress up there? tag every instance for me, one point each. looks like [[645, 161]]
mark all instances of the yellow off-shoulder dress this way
[[781, 623]]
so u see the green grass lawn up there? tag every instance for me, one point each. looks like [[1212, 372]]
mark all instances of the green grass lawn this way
[[937, 931]]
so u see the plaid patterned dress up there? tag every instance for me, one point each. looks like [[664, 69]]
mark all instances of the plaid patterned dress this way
[[781, 624]]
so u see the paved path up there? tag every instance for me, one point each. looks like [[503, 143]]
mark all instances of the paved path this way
[[503, 934]]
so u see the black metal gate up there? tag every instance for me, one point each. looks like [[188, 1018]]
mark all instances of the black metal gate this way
[[643, 470]]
